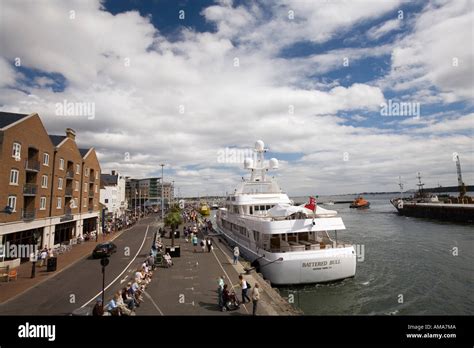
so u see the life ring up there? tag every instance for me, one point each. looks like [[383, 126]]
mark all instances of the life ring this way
[[400, 204]]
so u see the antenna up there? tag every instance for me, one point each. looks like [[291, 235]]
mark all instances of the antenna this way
[[420, 184], [259, 165]]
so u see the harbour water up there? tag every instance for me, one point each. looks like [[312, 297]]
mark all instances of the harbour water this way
[[410, 266]]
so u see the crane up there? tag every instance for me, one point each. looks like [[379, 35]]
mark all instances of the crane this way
[[461, 186]]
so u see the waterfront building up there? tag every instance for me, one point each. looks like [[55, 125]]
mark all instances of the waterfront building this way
[[49, 184], [147, 192], [112, 193]]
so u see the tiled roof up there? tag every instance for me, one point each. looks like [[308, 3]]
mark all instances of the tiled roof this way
[[7, 118], [108, 179], [57, 139]]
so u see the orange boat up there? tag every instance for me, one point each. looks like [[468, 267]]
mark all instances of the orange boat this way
[[359, 202]]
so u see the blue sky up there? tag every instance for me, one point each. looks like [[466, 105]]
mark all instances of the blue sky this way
[[312, 86]]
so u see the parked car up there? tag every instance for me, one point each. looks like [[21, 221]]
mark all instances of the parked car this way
[[104, 250]]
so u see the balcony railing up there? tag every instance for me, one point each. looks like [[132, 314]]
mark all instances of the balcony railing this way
[[32, 165], [91, 194], [90, 209], [30, 189], [70, 174], [68, 192], [28, 214]]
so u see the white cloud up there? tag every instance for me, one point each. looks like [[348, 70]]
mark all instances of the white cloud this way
[[178, 102], [379, 31], [438, 53]]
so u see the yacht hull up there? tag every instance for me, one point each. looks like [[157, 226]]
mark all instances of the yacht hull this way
[[305, 267]]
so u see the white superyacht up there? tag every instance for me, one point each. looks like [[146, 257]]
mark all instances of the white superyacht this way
[[288, 244]]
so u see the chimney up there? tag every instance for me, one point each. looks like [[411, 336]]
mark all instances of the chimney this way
[[113, 172], [71, 133]]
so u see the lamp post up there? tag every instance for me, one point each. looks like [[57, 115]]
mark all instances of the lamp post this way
[[172, 187], [162, 194], [104, 262], [35, 256]]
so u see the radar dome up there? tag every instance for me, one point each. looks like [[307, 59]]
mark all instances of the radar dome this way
[[274, 163], [259, 145], [248, 163]]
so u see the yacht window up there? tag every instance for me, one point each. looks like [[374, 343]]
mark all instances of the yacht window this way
[[257, 208], [256, 235], [262, 207], [251, 210]]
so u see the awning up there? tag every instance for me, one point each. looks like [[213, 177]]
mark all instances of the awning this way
[[285, 210]]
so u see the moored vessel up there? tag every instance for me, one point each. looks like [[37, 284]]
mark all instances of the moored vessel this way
[[288, 244], [427, 205]]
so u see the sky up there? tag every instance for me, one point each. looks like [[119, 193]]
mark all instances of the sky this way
[[348, 95]]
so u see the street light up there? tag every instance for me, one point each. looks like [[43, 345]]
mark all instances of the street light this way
[[162, 194], [172, 192], [104, 262]]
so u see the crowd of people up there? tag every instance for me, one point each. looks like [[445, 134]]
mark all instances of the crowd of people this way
[[125, 301]]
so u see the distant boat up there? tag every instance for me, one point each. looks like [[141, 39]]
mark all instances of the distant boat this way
[[205, 210], [360, 202], [329, 203]]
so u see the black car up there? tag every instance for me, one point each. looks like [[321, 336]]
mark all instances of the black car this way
[[104, 250]]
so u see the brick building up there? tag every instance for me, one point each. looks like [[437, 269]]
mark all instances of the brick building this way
[[50, 185]]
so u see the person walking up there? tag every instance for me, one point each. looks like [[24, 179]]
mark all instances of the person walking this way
[[43, 256], [245, 286], [236, 254], [209, 244], [203, 245], [220, 291], [255, 298], [195, 241]]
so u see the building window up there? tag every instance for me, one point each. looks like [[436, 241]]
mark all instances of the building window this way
[[61, 163], [87, 171], [77, 186], [96, 188], [44, 181], [16, 151], [60, 201], [85, 187], [106, 200], [97, 175], [14, 173], [78, 168], [84, 202], [43, 203], [12, 202], [46, 159], [60, 183]]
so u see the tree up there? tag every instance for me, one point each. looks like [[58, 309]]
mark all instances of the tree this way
[[173, 219]]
